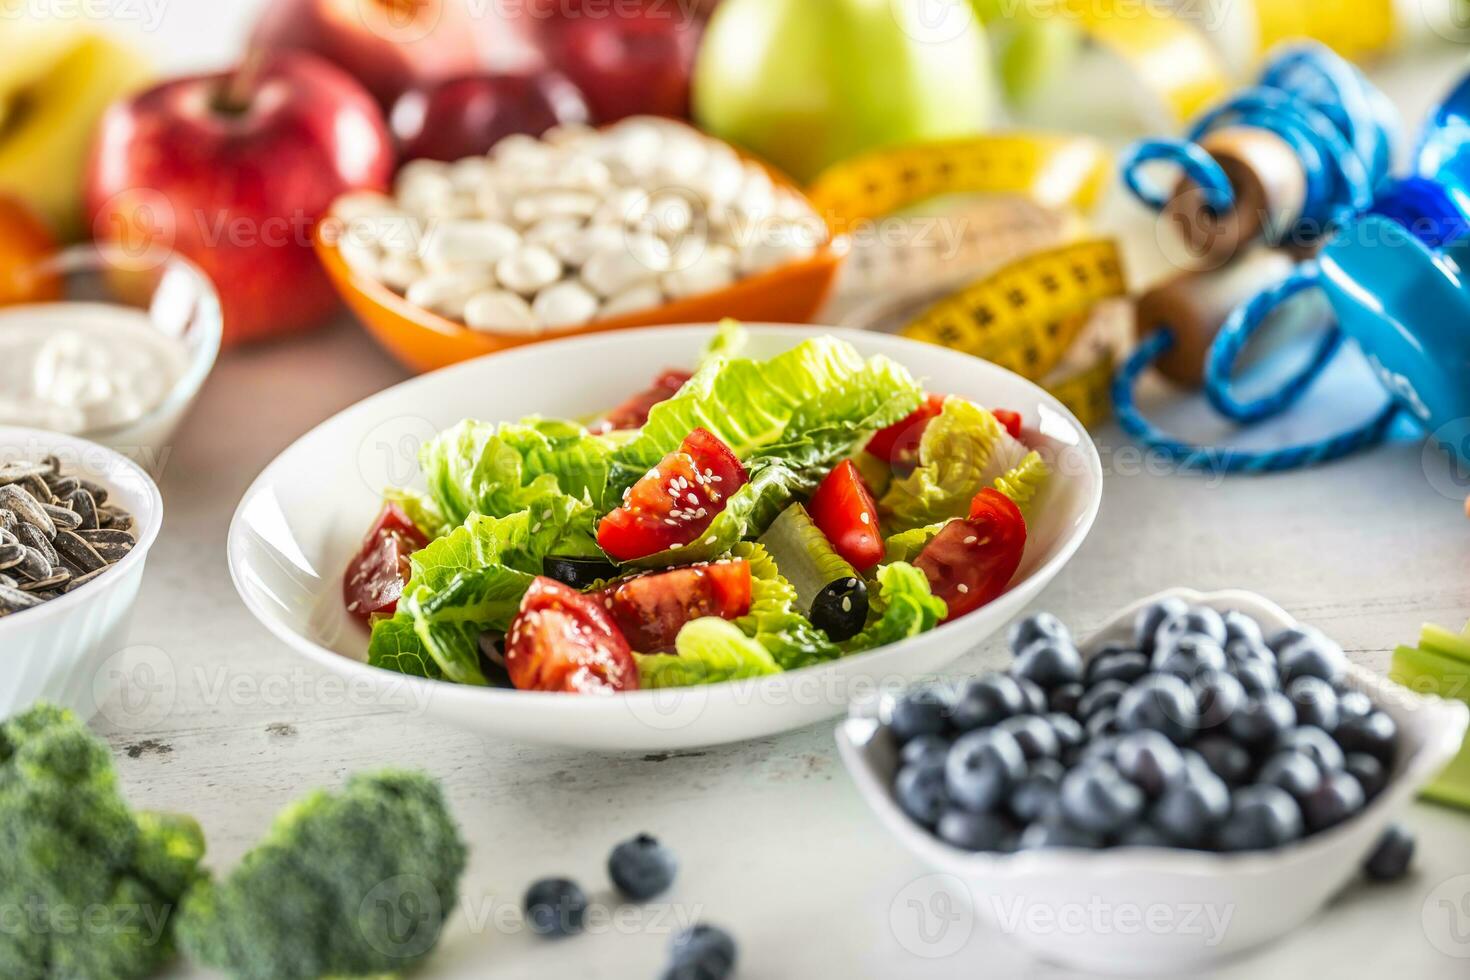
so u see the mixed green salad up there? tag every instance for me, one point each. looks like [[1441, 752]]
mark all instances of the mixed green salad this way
[[743, 519]]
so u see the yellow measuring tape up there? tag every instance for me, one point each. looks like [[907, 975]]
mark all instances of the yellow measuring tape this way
[[1055, 171], [1353, 28], [1026, 316]]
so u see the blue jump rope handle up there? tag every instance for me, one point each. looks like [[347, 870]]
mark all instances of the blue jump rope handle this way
[[1341, 133], [1234, 335]]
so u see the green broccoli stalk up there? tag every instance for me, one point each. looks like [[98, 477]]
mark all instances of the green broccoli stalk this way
[[87, 887], [350, 884]]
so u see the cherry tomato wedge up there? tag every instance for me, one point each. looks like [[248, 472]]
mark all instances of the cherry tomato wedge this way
[[675, 501], [376, 575], [651, 609], [845, 511], [633, 413], [564, 641], [971, 561], [899, 443], [1011, 420]]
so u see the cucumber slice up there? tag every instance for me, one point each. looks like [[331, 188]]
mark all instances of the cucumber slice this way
[[828, 589]]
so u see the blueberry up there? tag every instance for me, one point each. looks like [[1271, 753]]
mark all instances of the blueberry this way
[[1292, 634], [1294, 772], [1240, 628], [642, 867], [1124, 665], [921, 793], [1065, 698], [1142, 835], [1103, 722], [1035, 698], [1191, 809], [926, 749], [1368, 771], [1035, 735], [1312, 657], [1392, 856], [1068, 730], [1256, 676], [1188, 656], [1149, 761], [1261, 818], [704, 952], [1095, 797], [555, 907], [986, 701], [1199, 620], [1161, 703], [1375, 734], [920, 712], [1317, 745], [1049, 663], [1056, 832], [976, 831], [1316, 702], [982, 767], [1038, 791], [1103, 694], [1245, 651], [1042, 626], [1219, 695], [1262, 721], [1336, 798], [1226, 759], [1352, 704], [1146, 624]]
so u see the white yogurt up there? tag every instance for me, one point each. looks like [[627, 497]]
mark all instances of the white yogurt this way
[[80, 367]]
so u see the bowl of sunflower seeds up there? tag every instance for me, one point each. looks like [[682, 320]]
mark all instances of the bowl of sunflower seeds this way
[[76, 522]]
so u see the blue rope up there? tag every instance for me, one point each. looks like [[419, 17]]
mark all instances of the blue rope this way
[[1342, 131], [1224, 460]]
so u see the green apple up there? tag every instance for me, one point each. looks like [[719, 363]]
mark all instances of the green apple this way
[[806, 83]]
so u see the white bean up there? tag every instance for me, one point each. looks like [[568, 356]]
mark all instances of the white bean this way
[[399, 271], [566, 304], [713, 270], [775, 247], [363, 204], [446, 293], [643, 297], [528, 270], [552, 231], [362, 257], [551, 204], [467, 242], [501, 312], [669, 214], [719, 182], [575, 249], [625, 206], [423, 184], [638, 259]]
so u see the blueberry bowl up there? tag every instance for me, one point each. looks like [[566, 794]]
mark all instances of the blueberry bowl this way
[[1164, 909]]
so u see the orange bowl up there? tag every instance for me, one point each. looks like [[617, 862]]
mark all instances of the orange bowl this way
[[422, 340]]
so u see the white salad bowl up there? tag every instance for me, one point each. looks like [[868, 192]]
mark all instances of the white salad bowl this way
[[306, 514], [1164, 911], [59, 651]]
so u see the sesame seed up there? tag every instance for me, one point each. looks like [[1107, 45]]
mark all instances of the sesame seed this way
[[711, 539], [653, 474], [865, 517], [971, 539], [964, 589], [608, 602], [535, 527], [847, 603], [546, 515], [671, 522], [675, 546], [691, 498]]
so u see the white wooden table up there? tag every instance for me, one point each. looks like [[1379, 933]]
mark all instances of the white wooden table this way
[[774, 841]]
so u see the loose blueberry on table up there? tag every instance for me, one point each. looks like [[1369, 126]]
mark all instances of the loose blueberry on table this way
[[1198, 733]]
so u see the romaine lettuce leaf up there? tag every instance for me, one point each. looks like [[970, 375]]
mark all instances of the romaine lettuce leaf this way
[[963, 450], [904, 607], [396, 646], [1023, 482], [906, 545], [710, 650], [420, 509], [773, 620]]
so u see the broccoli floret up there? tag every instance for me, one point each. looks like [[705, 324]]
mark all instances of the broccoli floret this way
[[348, 884], [87, 887]]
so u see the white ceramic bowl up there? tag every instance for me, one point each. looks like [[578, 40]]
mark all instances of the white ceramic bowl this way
[[58, 651], [305, 516], [1159, 911]]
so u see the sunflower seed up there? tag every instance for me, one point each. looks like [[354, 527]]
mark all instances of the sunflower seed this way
[[7, 581], [8, 520], [37, 488], [106, 535], [48, 584], [112, 551], [62, 487], [17, 471], [63, 517], [14, 600], [26, 508], [97, 490], [11, 555], [77, 552], [32, 538], [33, 566], [82, 503], [77, 581], [115, 517]]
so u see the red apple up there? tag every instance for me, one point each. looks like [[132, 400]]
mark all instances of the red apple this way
[[389, 46], [465, 116], [629, 60], [234, 170]]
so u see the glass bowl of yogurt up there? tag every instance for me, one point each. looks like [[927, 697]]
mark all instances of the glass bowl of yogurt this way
[[119, 356]]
